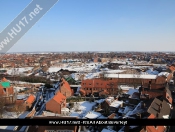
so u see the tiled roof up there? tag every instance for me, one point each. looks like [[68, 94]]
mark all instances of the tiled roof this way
[[112, 116], [159, 108], [59, 98], [30, 99], [172, 68], [151, 116], [66, 84]]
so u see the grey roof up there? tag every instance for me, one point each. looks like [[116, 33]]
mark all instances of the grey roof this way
[[159, 108]]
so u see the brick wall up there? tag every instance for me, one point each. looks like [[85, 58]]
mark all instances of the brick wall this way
[[152, 94], [53, 106]]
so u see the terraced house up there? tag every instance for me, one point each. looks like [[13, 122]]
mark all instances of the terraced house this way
[[7, 91]]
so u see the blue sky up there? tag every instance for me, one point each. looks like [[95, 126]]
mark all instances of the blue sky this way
[[97, 25]]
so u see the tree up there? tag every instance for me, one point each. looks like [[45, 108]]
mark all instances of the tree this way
[[71, 105], [48, 85], [91, 99]]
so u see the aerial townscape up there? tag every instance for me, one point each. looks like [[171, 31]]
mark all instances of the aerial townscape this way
[[88, 85], [87, 66]]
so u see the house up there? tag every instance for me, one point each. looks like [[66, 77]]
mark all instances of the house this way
[[94, 86], [56, 103], [65, 88], [111, 105], [153, 128], [30, 101], [160, 109], [7, 91]]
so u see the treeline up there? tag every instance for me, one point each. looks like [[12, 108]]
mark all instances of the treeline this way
[[34, 79]]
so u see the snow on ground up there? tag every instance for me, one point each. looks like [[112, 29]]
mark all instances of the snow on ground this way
[[9, 115], [3, 127], [84, 107], [92, 115], [19, 88], [21, 82], [54, 69], [15, 71]]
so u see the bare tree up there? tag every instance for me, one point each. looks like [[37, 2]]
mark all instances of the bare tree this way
[[19, 108]]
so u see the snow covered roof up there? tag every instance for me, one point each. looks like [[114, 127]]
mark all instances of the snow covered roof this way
[[110, 99], [125, 87], [163, 74], [92, 115], [152, 72], [116, 103], [21, 96], [114, 71], [131, 76], [46, 113], [136, 110], [166, 116], [65, 109]]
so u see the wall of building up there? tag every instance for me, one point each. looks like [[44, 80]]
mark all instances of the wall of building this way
[[91, 86], [153, 94], [169, 98], [53, 106]]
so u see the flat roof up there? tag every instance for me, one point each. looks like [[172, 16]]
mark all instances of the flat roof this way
[[131, 76]]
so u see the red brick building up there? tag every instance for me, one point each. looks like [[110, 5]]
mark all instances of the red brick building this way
[[7, 91], [65, 88], [30, 100], [152, 85], [154, 88], [153, 128], [56, 103], [91, 86]]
